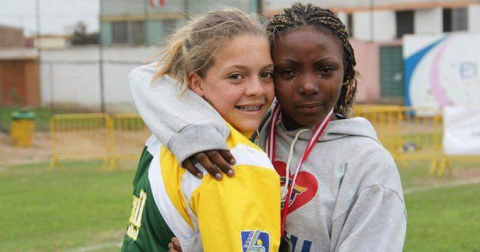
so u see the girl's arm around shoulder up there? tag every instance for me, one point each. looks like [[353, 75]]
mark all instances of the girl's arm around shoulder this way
[[186, 124]]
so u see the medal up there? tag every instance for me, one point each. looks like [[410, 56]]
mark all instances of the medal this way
[[286, 190], [285, 245]]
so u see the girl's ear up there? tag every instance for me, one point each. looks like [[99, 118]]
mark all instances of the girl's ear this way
[[195, 83]]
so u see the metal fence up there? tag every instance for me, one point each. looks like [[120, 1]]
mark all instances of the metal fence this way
[[409, 134], [97, 136], [80, 136]]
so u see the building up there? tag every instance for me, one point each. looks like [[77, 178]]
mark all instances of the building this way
[[19, 77], [386, 20], [377, 28], [48, 42], [19, 82], [139, 22], [11, 37]]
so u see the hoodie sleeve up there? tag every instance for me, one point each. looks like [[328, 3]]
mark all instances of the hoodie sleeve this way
[[375, 222], [186, 124]]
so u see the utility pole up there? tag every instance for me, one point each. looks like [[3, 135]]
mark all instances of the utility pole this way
[[186, 7], [38, 46], [145, 22], [260, 7], [372, 21], [37, 24], [100, 61]]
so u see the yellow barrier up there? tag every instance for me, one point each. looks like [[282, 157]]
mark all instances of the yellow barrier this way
[[407, 133], [97, 136], [80, 136], [129, 134], [410, 134]]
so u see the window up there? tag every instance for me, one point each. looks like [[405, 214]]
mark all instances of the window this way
[[455, 19], [350, 25], [460, 19], [168, 26], [138, 36], [404, 20], [119, 30], [447, 20], [128, 32]]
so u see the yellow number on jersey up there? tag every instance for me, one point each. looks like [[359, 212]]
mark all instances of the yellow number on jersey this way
[[135, 220]]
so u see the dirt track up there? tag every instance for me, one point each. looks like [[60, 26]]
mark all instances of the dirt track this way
[[40, 151]]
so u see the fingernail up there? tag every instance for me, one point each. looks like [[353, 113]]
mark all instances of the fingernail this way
[[230, 173], [232, 161], [218, 176], [169, 245], [199, 175], [173, 239]]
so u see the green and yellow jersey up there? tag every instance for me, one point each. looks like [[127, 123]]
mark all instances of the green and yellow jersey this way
[[236, 214]]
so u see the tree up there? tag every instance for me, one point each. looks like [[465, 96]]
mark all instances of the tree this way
[[80, 35]]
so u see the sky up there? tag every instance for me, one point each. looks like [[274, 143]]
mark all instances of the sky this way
[[56, 16]]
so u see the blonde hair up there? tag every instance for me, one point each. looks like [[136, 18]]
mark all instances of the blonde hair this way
[[192, 47]]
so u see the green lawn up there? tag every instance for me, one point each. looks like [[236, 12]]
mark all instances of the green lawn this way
[[58, 211], [444, 220], [83, 207]]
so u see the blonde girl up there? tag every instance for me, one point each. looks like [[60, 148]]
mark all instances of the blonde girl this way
[[223, 57]]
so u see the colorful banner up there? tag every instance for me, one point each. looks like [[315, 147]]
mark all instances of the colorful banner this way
[[442, 70], [461, 134]]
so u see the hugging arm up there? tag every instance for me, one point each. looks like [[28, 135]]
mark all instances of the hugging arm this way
[[187, 125]]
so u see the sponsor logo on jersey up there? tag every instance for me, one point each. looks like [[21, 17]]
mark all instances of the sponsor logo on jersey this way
[[255, 241]]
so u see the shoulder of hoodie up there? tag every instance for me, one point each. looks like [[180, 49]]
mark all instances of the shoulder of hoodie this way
[[146, 73], [366, 159]]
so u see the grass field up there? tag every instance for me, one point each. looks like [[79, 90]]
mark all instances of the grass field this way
[[84, 209]]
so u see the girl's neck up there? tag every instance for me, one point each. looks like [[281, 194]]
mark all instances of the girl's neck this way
[[291, 124]]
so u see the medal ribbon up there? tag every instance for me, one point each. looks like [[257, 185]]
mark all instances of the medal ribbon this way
[[271, 146]]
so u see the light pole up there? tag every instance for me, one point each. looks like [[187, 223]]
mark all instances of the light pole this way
[[186, 7], [38, 46], [260, 7], [100, 61], [372, 23], [145, 22]]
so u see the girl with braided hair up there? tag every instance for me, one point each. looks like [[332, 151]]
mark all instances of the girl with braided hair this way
[[340, 188]]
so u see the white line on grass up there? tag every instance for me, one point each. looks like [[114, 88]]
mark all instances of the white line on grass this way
[[97, 247], [443, 185]]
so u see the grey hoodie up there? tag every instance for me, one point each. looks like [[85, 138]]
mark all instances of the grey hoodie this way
[[348, 195]]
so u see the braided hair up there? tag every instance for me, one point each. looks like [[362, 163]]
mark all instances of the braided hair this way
[[326, 21]]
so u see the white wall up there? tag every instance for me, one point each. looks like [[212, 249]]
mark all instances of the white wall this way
[[428, 21], [72, 76], [384, 26], [343, 17], [474, 18]]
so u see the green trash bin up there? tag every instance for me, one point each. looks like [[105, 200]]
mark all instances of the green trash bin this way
[[23, 126]]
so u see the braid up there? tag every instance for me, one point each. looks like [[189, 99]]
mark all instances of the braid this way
[[302, 15]]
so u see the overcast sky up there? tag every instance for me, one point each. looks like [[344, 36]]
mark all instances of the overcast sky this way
[[55, 15]]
